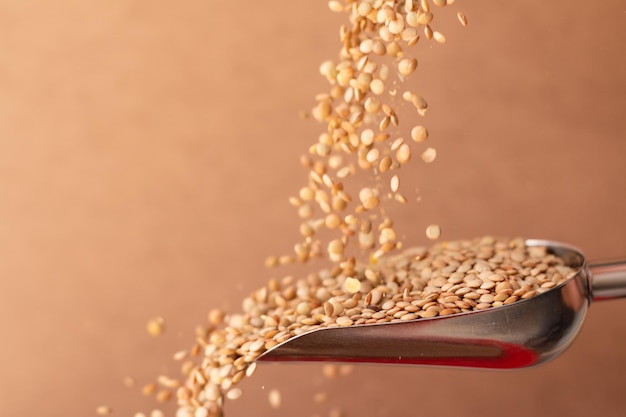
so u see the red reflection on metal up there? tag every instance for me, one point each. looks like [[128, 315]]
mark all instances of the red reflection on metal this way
[[489, 355]]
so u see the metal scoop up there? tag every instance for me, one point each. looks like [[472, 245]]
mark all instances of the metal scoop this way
[[522, 334]]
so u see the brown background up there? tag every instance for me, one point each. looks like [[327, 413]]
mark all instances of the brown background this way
[[147, 150]]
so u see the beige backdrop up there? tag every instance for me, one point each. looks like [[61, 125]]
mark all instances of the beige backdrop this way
[[147, 150]]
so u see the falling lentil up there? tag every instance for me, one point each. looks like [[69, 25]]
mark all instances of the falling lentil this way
[[155, 326], [407, 66], [462, 18], [439, 37], [164, 396], [274, 398], [419, 134], [104, 410], [433, 232], [149, 389], [352, 285], [234, 394], [403, 154], [411, 285], [320, 397], [394, 183], [129, 382], [429, 155]]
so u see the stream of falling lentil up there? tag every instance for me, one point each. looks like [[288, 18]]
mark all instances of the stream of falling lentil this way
[[340, 224]]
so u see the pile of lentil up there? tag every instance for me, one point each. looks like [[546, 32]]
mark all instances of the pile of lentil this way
[[362, 135], [447, 278]]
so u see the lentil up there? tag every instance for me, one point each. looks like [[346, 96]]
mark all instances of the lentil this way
[[330, 370], [320, 397], [394, 183], [419, 134], [155, 326], [462, 18], [403, 154], [433, 232], [104, 410], [234, 394], [415, 284], [352, 285], [164, 396], [149, 389], [274, 398], [407, 66], [429, 155]]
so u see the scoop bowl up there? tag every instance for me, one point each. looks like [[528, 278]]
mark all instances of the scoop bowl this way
[[522, 334]]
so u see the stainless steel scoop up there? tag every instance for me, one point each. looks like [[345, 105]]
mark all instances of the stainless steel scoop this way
[[524, 333]]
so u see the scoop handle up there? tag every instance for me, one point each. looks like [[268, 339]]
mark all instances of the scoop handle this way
[[608, 280]]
